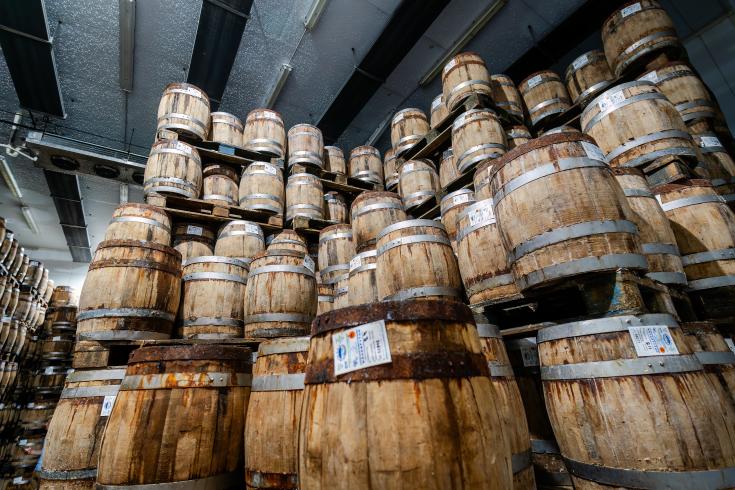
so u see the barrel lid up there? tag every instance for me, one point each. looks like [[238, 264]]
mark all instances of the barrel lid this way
[[336, 149], [226, 115], [140, 205], [310, 127], [407, 310], [219, 169], [585, 59], [409, 110], [616, 12], [501, 76], [174, 352]]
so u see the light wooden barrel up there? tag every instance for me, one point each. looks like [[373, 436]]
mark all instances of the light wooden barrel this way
[[370, 213], [545, 96], [10, 300], [477, 136], [719, 165], [304, 196], [335, 207], [325, 297], [49, 380], [137, 221], [481, 254], [562, 212], [305, 146], [193, 239], [264, 132], [447, 168], [220, 185], [261, 188], [203, 390], [653, 128], [462, 76], [336, 248], [280, 297], [3, 231], [390, 169], [226, 128], [334, 160], [50, 286], [57, 348], [407, 127], [286, 240], [587, 76], [506, 96], [636, 33], [439, 111], [341, 291], [271, 436], [451, 207], [109, 309], [33, 274], [362, 285], [213, 291], [711, 349], [173, 167], [658, 242], [184, 108], [21, 265], [240, 239], [509, 402], [75, 432], [417, 182], [690, 96], [516, 136], [23, 307], [6, 245], [437, 379], [366, 165], [415, 260], [3, 282], [43, 283], [647, 422]]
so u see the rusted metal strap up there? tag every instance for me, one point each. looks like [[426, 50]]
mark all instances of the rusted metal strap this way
[[217, 482], [166, 381]]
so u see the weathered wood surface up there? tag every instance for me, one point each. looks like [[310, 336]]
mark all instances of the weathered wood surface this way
[[134, 221], [264, 132], [226, 128], [240, 239], [184, 109], [587, 76], [464, 75], [370, 213], [304, 196], [173, 167], [545, 95], [407, 127], [365, 164], [477, 136], [305, 146]]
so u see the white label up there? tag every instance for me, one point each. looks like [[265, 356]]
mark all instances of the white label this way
[[460, 198], [579, 62], [183, 147], [194, 230], [529, 355], [309, 263], [270, 169], [451, 64], [2, 405], [360, 347], [593, 151], [31, 405], [630, 9], [70, 370], [49, 370], [650, 77], [23, 442], [730, 344], [436, 103], [708, 141], [54, 339], [250, 228], [398, 117], [532, 82], [610, 100], [193, 91], [407, 167], [653, 340], [483, 214], [19, 480], [107, 404], [355, 262]]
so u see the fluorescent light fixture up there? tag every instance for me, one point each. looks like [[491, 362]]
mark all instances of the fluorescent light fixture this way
[[462, 41], [283, 74], [28, 215], [315, 11], [126, 18], [10, 178], [123, 193], [380, 129]]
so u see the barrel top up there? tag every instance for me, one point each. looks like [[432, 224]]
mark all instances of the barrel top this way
[[153, 353], [140, 244], [239, 223], [258, 111], [535, 144], [184, 85], [335, 149], [501, 76], [409, 110], [374, 195], [541, 72], [140, 205], [364, 149], [586, 58], [338, 228], [302, 126], [408, 310], [616, 12], [224, 114], [666, 188], [409, 223], [218, 169], [615, 89]]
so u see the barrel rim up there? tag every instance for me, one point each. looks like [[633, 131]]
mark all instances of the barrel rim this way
[[173, 85], [224, 113], [591, 105], [535, 144], [139, 205], [406, 110], [302, 126], [219, 169], [140, 244], [605, 29], [366, 149], [327, 148], [495, 76], [540, 72], [335, 227], [374, 194], [264, 109], [283, 252], [407, 223], [684, 184], [178, 352], [597, 53], [669, 65]]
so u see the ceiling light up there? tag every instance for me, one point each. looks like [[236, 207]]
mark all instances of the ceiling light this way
[[126, 22], [28, 215], [379, 130], [123, 193], [312, 17], [283, 74], [10, 178]]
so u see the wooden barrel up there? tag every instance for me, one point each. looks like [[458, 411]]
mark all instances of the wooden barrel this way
[[23, 308], [20, 266], [261, 188], [184, 108], [286, 240], [370, 213], [335, 207], [305, 146], [451, 207], [226, 128], [290, 303], [136, 221], [304, 195], [334, 160], [417, 182], [203, 391], [366, 165], [574, 215], [415, 260], [651, 419], [193, 239], [690, 96], [718, 164], [653, 127], [43, 283], [447, 168], [506, 96], [439, 111], [3, 282], [390, 169], [240, 239], [362, 285], [716, 356], [658, 242], [587, 76], [33, 274], [11, 254], [213, 289], [407, 127], [264, 132], [341, 292], [10, 299], [516, 136], [325, 297], [271, 436], [109, 309], [57, 348], [636, 33], [72, 442], [427, 366], [173, 167], [464, 75], [6, 245], [509, 403], [477, 136], [545, 96], [482, 257], [220, 185], [336, 248]]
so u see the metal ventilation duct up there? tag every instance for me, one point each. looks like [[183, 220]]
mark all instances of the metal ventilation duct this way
[[28, 50], [68, 201]]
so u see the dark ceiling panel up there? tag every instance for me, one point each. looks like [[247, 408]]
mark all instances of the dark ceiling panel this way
[[68, 201]]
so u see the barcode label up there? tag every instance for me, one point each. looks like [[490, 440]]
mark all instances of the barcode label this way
[[593, 151], [630, 9], [183, 147], [607, 101], [483, 214], [309, 263], [709, 141], [355, 262], [360, 347], [194, 230], [107, 404], [407, 167], [650, 77], [653, 340], [250, 228], [270, 169], [193, 91], [580, 62], [54, 339], [459, 199], [49, 370], [533, 81], [529, 355]]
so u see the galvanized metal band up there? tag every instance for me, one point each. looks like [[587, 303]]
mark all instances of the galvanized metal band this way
[[461, 86], [520, 461], [728, 197], [668, 277], [325, 299], [268, 197], [643, 366], [125, 312], [661, 248], [261, 206], [167, 381], [644, 140], [671, 480], [260, 144], [335, 268], [711, 283], [638, 193], [191, 194], [715, 358], [488, 331], [304, 156], [686, 150], [408, 140], [622, 65], [363, 268], [407, 240], [545, 170], [278, 382], [421, 292], [570, 232], [376, 207], [535, 118], [469, 229], [542, 77], [172, 180], [176, 151], [721, 182], [668, 76], [691, 201], [67, 474], [220, 197], [544, 446], [279, 317], [369, 176], [489, 283], [546, 103], [708, 256], [95, 375], [288, 241], [341, 291], [411, 224], [214, 259], [593, 89], [463, 165], [231, 233], [498, 370], [580, 266], [123, 335], [694, 103], [217, 482], [139, 219], [90, 391], [296, 269], [188, 91], [312, 207], [603, 325], [213, 321], [485, 146], [335, 236], [416, 195], [614, 107], [213, 276], [295, 344]]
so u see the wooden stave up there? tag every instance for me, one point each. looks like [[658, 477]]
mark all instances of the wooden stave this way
[[368, 221], [220, 190], [336, 248], [334, 160], [335, 207], [506, 95], [226, 128], [304, 196], [545, 98], [264, 131], [273, 199], [238, 239], [477, 137], [464, 75], [137, 221], [173, 167], [438, 112], [193, 239], [286, 240], [588, 75], [362, 285], [188, 101], [407, 127], [417, 182], [305, 146], [365, 164]]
